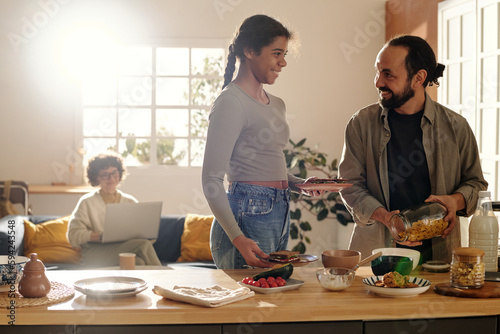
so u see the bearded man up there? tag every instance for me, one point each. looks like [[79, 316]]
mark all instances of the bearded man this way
[[406, 150]]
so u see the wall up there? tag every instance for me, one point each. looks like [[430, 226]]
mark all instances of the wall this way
[[414, 18], [326, 81]]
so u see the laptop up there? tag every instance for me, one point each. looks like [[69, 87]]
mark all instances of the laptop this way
[[125, 221]]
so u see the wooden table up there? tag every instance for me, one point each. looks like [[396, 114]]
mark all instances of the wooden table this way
[[310, 309]]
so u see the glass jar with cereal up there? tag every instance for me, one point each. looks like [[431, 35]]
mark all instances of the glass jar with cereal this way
[[467, 268], [424, 221]]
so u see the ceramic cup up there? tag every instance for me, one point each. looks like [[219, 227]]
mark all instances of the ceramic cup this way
[[341, 258], [127, 261]]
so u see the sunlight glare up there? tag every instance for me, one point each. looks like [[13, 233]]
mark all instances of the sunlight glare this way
[[89, 51]]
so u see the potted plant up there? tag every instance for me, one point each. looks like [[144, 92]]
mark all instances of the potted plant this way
[[302, 160]]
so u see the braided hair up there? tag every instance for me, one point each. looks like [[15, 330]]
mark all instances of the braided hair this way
[[420, 57], [254, 33]]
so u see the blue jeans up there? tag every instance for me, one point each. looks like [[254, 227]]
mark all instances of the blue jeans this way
[[263, 215]]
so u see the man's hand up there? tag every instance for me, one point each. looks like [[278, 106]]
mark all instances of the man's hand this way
[[251, 252], [452, 203], [384, 216]]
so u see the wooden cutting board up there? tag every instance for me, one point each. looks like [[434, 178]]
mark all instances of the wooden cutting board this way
[[489, 290]]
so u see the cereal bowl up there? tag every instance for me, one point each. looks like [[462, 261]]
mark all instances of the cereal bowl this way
[[11, 271], [340, 258], [411, 253], [335, 279]]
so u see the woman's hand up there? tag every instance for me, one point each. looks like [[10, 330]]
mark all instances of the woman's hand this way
[[252, 254], [312, 192]]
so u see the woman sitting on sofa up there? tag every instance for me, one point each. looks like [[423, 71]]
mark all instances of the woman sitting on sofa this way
[[87, 220]]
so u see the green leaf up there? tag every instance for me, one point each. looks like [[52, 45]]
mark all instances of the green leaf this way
[[332, 197], [300, 143], [305, 226], [322, 215], [294, 231], [308, 240], [295, 215], [300, 247]]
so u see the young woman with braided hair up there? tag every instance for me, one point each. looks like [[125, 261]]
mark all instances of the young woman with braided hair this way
[[246, 136]]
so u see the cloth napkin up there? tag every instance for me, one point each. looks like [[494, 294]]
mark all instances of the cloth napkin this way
[[214, 296]]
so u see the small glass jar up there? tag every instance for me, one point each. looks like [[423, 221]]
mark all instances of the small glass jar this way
[[424, 221], [467, 268]]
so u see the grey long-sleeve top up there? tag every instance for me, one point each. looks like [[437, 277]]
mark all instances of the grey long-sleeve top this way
[[245, 140], [452, 157]]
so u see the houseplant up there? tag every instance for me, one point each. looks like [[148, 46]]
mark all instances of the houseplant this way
[[304, 161]]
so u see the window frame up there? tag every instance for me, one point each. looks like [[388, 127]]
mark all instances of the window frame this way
[[153, 166]]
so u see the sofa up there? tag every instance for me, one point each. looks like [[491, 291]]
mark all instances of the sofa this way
[[169, 246]]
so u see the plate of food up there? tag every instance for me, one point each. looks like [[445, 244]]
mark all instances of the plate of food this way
[[394, 284], [332, 185], [290, 284], [293, 257], [110, 286]]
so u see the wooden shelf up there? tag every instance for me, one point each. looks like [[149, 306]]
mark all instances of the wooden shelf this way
[[66, 189]]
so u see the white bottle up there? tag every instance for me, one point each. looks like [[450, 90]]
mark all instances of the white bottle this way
[[483, 231]]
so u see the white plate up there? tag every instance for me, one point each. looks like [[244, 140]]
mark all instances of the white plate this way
[[423, 284], [303, 260], [107, 295], [291, 284], [333, 187], [109, 285]]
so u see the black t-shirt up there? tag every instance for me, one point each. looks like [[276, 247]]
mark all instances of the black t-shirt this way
[[409, 181]]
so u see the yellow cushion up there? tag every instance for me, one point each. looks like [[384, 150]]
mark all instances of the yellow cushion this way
[[195, 240], [50, 242]]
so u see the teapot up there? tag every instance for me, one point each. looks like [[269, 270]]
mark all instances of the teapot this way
[[34, 283]]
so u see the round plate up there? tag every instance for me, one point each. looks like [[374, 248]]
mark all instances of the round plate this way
[[333, 187], [423, 284], [291, 284], [109, 285], [304, 259]]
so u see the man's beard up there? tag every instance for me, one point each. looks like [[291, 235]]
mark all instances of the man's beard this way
[[396, 101]]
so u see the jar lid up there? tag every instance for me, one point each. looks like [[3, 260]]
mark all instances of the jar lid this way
[[34, 264], [484, 193], [468, 251]]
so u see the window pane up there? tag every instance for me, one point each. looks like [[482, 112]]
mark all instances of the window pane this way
[[134, 151], [490, 27], [94, 146], [489, 84], [172, 122], [134, 122], [454, 36], [172, 61], [197, 152], [100, 91], [207, 61], [171, 151], [172, 91], [199, 122], [454, 84], [135, 61], [99, 122], [468, 35], [134, 91], [205, 91], [489, 125]]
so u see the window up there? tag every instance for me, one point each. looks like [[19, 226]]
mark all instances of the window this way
[[469, 46], [153, 106]]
